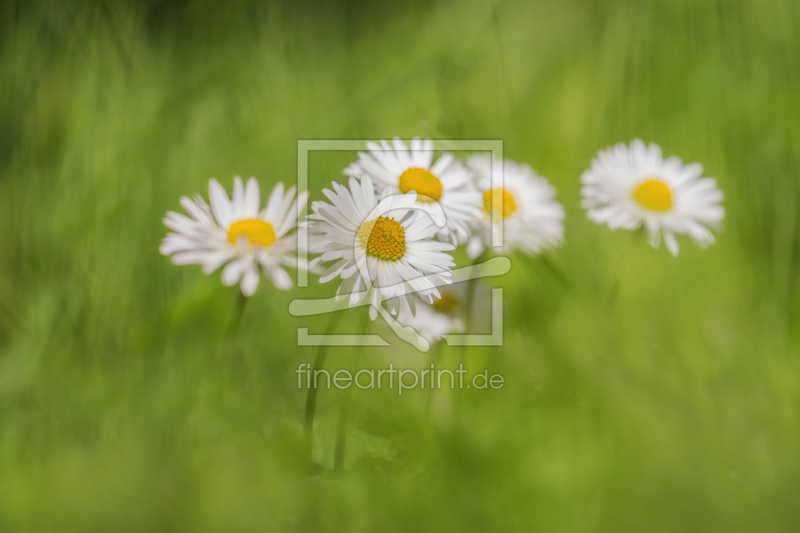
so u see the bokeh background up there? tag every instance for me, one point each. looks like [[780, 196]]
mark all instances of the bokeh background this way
[[643, 392]]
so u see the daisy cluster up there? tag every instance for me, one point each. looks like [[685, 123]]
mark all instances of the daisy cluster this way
[[388, 233]]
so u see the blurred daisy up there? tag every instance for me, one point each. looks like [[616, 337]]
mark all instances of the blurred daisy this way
[[381, 251], [525, 204], [633, 187], [237, 233], [443, 316], [400, 169], [430, 324]]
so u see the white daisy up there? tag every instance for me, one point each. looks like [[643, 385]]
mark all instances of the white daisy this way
[[443, 316], [380, 250], [235, 232], [450, 313], [430, 324], [633, 187], [400, 169], [524, 205]]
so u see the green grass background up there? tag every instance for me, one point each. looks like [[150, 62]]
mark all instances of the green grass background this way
[[643, 392]]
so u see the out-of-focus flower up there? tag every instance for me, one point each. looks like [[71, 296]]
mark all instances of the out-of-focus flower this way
[[442, 184], [634, 187], [525, 205]]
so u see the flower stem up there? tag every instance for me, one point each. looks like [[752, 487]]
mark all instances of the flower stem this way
[[469, 305], [341, 434], [469, 302], [311, 396], [436, 358], [238, 311], [344, 412]]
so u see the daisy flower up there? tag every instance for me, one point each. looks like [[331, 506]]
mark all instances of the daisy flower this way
[[431, 324], [443, 316], [524, 206], [237, 233], [380, 250], [633, 187], [445, 183]]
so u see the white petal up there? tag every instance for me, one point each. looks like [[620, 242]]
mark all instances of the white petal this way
[[671, 242], [238, 198], [220, 204], [250, 280], [280, 278], [252, 198], [475, 247], [232, 273]]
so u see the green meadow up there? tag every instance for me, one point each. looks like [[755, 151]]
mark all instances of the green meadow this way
[[643, 392]]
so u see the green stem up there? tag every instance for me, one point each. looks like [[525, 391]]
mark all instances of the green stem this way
[[344, 412], [469, 304], [469, 301], [341, 434], [436, 358], [238, 311], [311, 396]]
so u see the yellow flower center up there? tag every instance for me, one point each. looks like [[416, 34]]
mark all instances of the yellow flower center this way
[[384, 238], [446, 303], [499, 200], [258, 232], [653, 194], [428, 186]]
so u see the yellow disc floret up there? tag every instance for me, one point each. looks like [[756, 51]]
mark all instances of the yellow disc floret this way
[[384, 238], [258, 232], [653, 194], [499, 200], [446, 303], [427, 186]]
